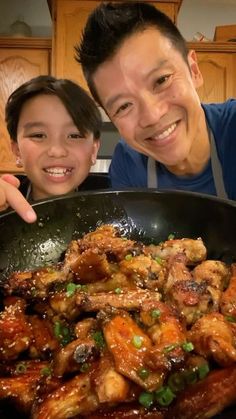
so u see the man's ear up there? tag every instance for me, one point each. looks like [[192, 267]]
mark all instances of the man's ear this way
[[194, 69]]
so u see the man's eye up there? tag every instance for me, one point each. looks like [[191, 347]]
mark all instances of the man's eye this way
[[163, 79], [122, 108]]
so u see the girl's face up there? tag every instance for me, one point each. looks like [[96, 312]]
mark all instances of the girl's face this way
[[56, 156]]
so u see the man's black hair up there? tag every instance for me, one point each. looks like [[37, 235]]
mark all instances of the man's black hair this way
[[110, 24]]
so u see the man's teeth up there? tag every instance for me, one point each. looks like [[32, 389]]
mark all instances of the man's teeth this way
[[167, 132], [57, 171]]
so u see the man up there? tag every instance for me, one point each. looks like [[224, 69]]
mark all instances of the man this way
[[140, 71]]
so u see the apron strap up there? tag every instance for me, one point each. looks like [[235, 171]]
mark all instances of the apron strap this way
[[152, 176], [217, 169]]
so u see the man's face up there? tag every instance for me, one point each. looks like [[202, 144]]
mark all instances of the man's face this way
[[149, 93]]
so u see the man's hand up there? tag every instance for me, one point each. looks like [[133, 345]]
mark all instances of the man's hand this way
[[11, 197]]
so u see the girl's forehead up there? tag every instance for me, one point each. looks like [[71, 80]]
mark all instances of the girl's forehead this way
[[45, 108]]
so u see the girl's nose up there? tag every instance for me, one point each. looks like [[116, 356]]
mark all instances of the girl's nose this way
[[57, 149]]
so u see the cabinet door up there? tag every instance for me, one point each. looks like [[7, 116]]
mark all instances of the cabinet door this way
[[69, 20], [218, 73], [17, 65], [170, 9]]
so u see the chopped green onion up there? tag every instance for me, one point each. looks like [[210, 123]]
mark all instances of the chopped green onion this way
[[143, 373], [118, 290], [57, 329], [128, 257], [203, 371], [231, 319], [191, 376], [84, 288], [188, 346], [158, 260], [99, 339], [171, 236], [84, 367], [146, 399], [62, 333], [164, 396], [34, 292], [176, 381], [46, 371], [170, 348], [137, 341], [155, 313], [21, 368], [70, 289]]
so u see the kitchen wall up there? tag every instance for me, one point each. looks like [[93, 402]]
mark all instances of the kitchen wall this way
[[33, 12], [204, 15], [194, 16]]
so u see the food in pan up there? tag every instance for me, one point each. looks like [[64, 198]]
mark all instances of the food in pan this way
[[120, 329]]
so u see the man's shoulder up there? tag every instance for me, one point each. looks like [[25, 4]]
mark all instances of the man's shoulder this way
[[221, 118], [124, 151], [214, 110]]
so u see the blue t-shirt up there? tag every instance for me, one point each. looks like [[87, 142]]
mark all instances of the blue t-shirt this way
[[129, 167]]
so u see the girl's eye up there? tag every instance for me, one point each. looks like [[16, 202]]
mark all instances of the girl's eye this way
[[76, 136], [37, 135]]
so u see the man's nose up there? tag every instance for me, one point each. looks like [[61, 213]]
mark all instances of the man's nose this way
[[151, 109]]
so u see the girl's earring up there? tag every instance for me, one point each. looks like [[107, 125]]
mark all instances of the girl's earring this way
[[93, 160], [19, 162]]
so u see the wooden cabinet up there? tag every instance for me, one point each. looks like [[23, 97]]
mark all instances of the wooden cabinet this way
[[170, 8], [69, 18], [20, 60], [217, 62]]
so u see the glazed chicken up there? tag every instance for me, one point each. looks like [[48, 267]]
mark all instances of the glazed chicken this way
[[119, 329]]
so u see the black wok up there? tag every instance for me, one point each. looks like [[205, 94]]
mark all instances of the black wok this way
[[145, 215]]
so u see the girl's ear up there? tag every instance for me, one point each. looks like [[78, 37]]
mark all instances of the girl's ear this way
[[194, 69], [15, 148], [16, 152]]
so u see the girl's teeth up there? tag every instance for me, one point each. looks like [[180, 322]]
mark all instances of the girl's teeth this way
[[167, 132], [56, 171]]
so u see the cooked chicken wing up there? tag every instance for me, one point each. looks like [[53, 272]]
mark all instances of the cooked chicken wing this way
[[194, 250], [129, 345], [228, 297], [213, 337], [206, 398], [129, 300], [15, 331], [72, 398]]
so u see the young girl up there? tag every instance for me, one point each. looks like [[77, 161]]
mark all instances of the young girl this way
[[55, 131]]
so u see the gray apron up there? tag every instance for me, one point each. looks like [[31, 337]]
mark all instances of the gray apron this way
[[152, 176]]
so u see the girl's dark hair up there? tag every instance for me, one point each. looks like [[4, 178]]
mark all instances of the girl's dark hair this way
[[81, 107], [111, 23]]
